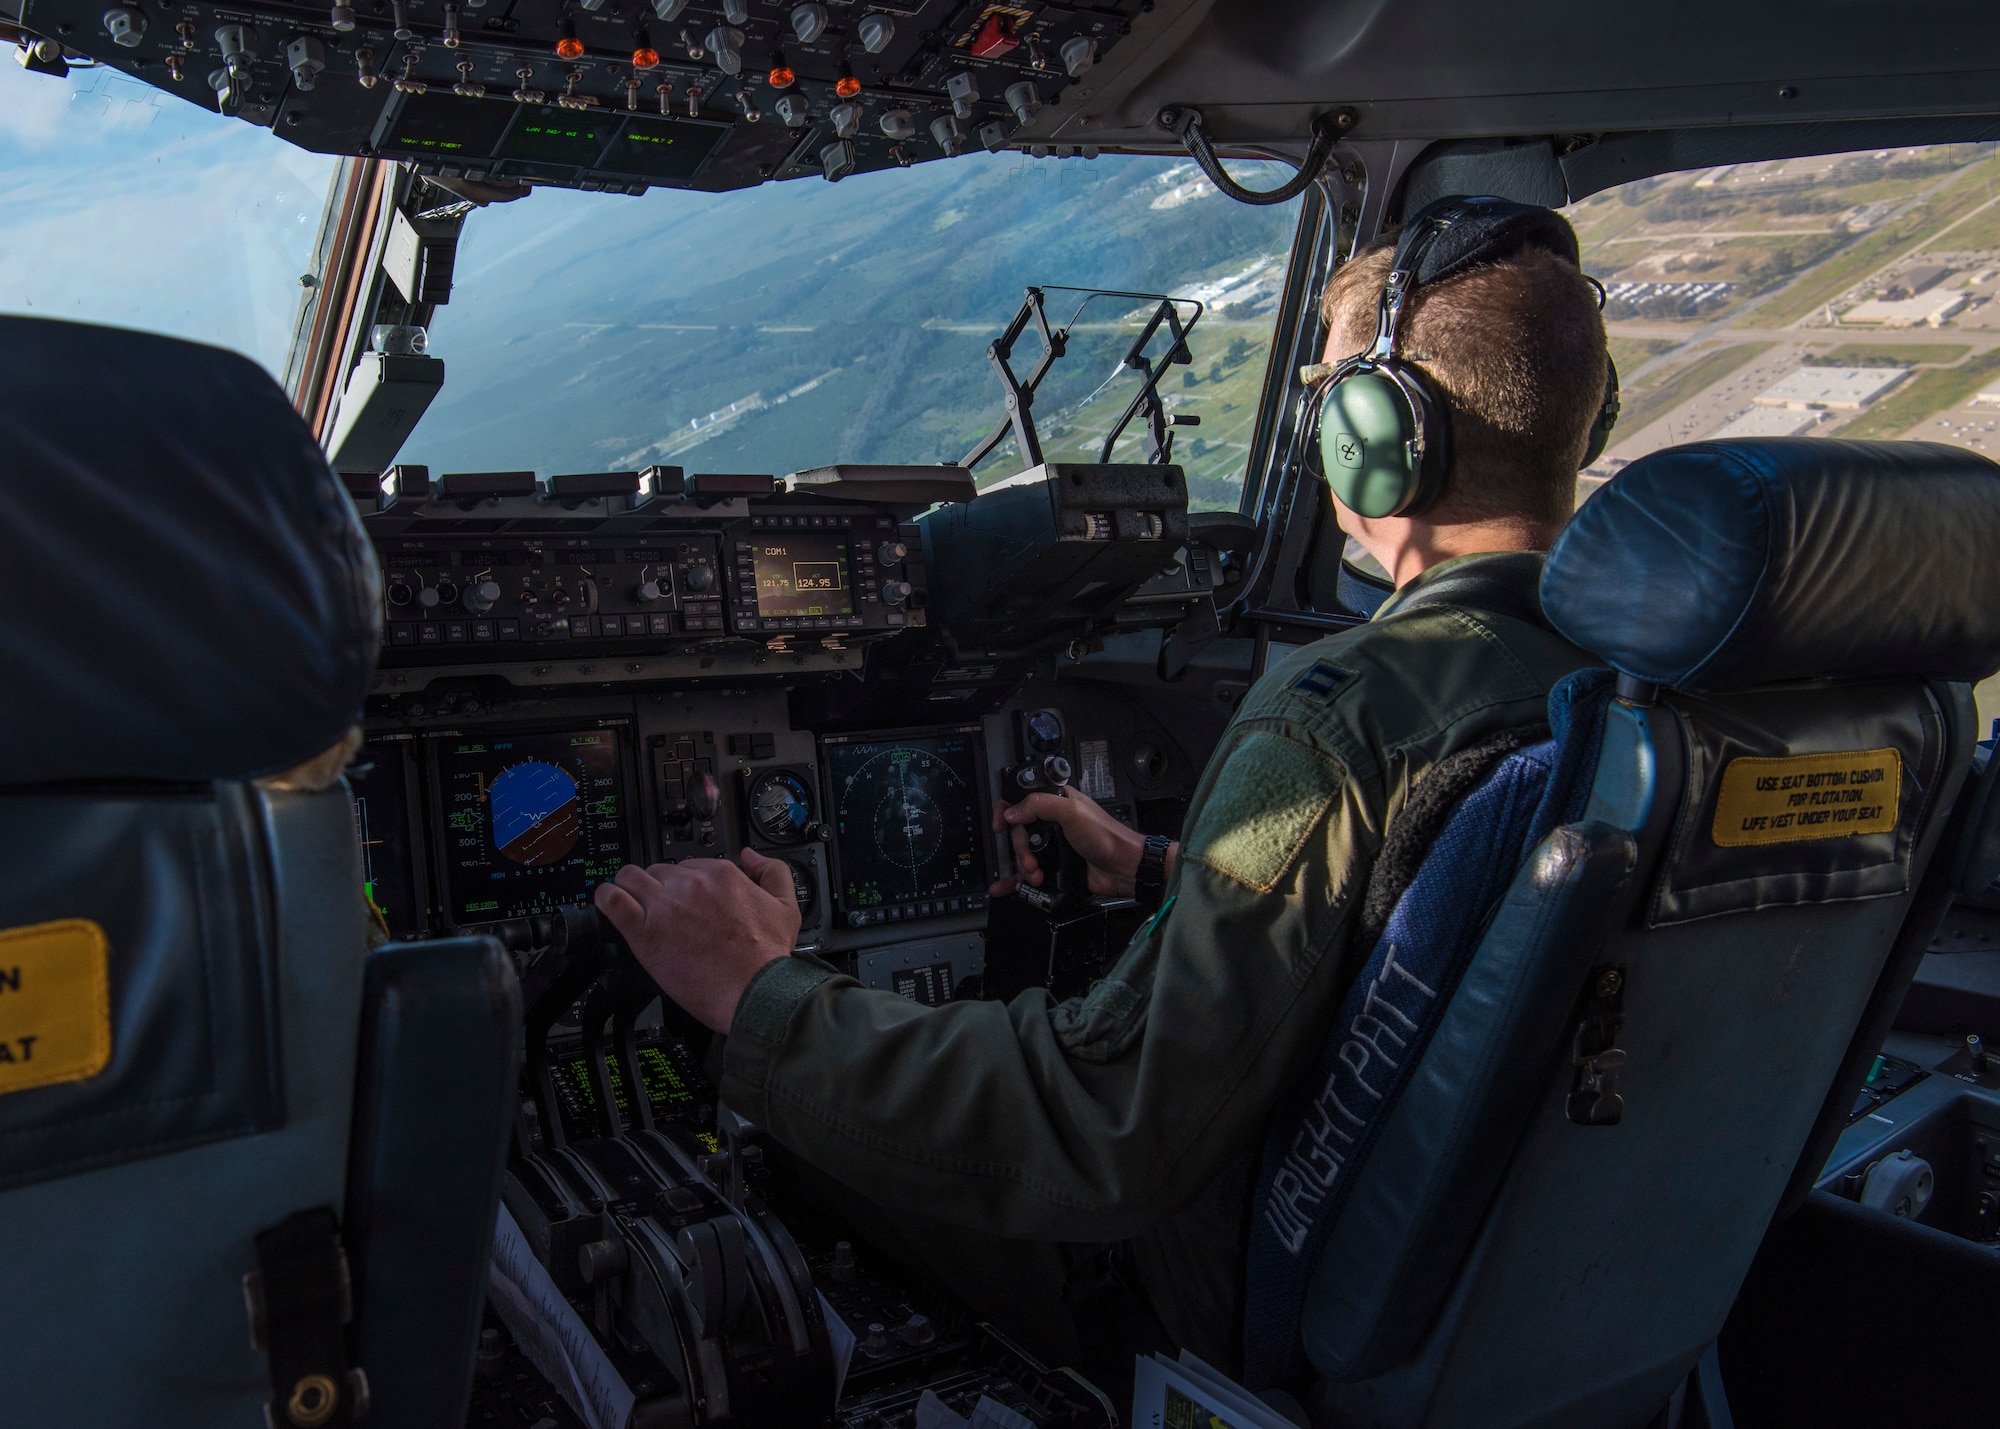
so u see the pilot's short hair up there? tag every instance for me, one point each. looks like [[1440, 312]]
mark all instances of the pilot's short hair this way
[[1516, 347]]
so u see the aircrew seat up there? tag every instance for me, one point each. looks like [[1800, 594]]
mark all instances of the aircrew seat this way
[[243, 1162], [1632, 989]]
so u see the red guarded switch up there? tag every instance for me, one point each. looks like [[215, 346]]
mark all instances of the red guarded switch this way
[[995, 37]]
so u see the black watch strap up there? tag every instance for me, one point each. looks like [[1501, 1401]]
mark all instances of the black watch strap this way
[[1149, 886]]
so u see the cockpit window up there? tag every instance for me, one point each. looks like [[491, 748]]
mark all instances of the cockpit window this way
[[128, 206], [1845, 295], [800, 324]]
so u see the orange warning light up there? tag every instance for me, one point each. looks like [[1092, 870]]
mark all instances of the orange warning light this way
[[570, 47], [645, 57], [847, 86], [781, 77]]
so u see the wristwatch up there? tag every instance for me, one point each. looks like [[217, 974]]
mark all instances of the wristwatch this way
[[1149, 885]]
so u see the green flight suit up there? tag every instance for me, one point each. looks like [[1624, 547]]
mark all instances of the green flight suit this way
[[1139, 1111]]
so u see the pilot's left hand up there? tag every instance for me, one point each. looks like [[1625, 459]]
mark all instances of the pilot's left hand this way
[[706, 927]]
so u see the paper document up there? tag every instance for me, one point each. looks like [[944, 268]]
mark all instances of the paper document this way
[[1166, 1395], [551, 1334]]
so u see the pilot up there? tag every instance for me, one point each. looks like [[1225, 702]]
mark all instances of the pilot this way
[[1135, 1116]]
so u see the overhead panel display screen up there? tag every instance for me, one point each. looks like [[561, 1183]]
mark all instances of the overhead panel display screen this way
[[437, 125], [804, 575], [531, 822], [662, 148], [906, 818], [544, 134]]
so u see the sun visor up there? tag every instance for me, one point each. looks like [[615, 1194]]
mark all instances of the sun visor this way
[[1722, 565], [190, 596]]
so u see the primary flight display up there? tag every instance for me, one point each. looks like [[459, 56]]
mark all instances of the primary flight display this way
[[531, 821]]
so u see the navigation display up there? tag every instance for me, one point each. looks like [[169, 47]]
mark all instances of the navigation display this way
[[908, 837], [530, 822], [803, 575]]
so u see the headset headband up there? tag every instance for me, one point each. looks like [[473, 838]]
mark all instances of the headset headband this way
[[1452, 234]]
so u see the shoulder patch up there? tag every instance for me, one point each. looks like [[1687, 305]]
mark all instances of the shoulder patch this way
[[1323, 680], [1269, 795]]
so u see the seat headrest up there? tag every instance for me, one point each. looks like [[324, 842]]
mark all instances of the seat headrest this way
[[189, 593], [1720, 565]]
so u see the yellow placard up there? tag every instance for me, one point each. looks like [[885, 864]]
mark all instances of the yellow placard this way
[[55, 1004], [1808, 796]]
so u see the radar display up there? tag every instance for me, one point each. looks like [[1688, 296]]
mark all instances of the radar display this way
[[906, 816], [531, 821]]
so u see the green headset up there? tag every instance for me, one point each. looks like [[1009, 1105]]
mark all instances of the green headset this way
[[1384, 433]]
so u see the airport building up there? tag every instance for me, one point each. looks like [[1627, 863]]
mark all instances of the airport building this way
[[1839, 389]]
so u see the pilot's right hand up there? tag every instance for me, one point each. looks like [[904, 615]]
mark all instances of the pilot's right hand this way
[[1111, 849]]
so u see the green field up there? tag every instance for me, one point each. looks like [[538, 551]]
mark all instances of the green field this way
[[1873, 250], [1980, 231], [1633, 353], [1646, 403], [1889, 354], [1923, 395]]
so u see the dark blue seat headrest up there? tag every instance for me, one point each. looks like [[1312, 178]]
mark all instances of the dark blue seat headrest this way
[[1720, 565], [189, 594]]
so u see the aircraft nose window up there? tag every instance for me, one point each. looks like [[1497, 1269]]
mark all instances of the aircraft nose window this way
[[778, 328]]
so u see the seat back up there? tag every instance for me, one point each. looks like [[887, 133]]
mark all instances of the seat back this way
[[193, 613], [1587, 1137]]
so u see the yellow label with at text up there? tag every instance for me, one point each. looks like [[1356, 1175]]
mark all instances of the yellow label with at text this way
[[55, 1004], [1808, 796]]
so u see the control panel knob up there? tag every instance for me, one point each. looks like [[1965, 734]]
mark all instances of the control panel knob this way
[[1056, 770], [875, 1343], [809, 21], [875, 32], [481, 596], [843, 1262], [1975, 1054], [647, 592], [705, 797], [891, 553], [726, 44], [916, 1331], [895, 592], [701, 576], [427, 597], [897, 123]]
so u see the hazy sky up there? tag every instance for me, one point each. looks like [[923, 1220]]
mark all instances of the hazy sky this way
[[127, 205]]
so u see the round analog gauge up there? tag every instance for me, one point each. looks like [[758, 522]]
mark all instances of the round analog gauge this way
[[781, 806]]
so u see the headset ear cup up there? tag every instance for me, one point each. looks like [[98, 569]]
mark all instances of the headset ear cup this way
[[1433, 429], [1367, 423], [1607, 416]]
